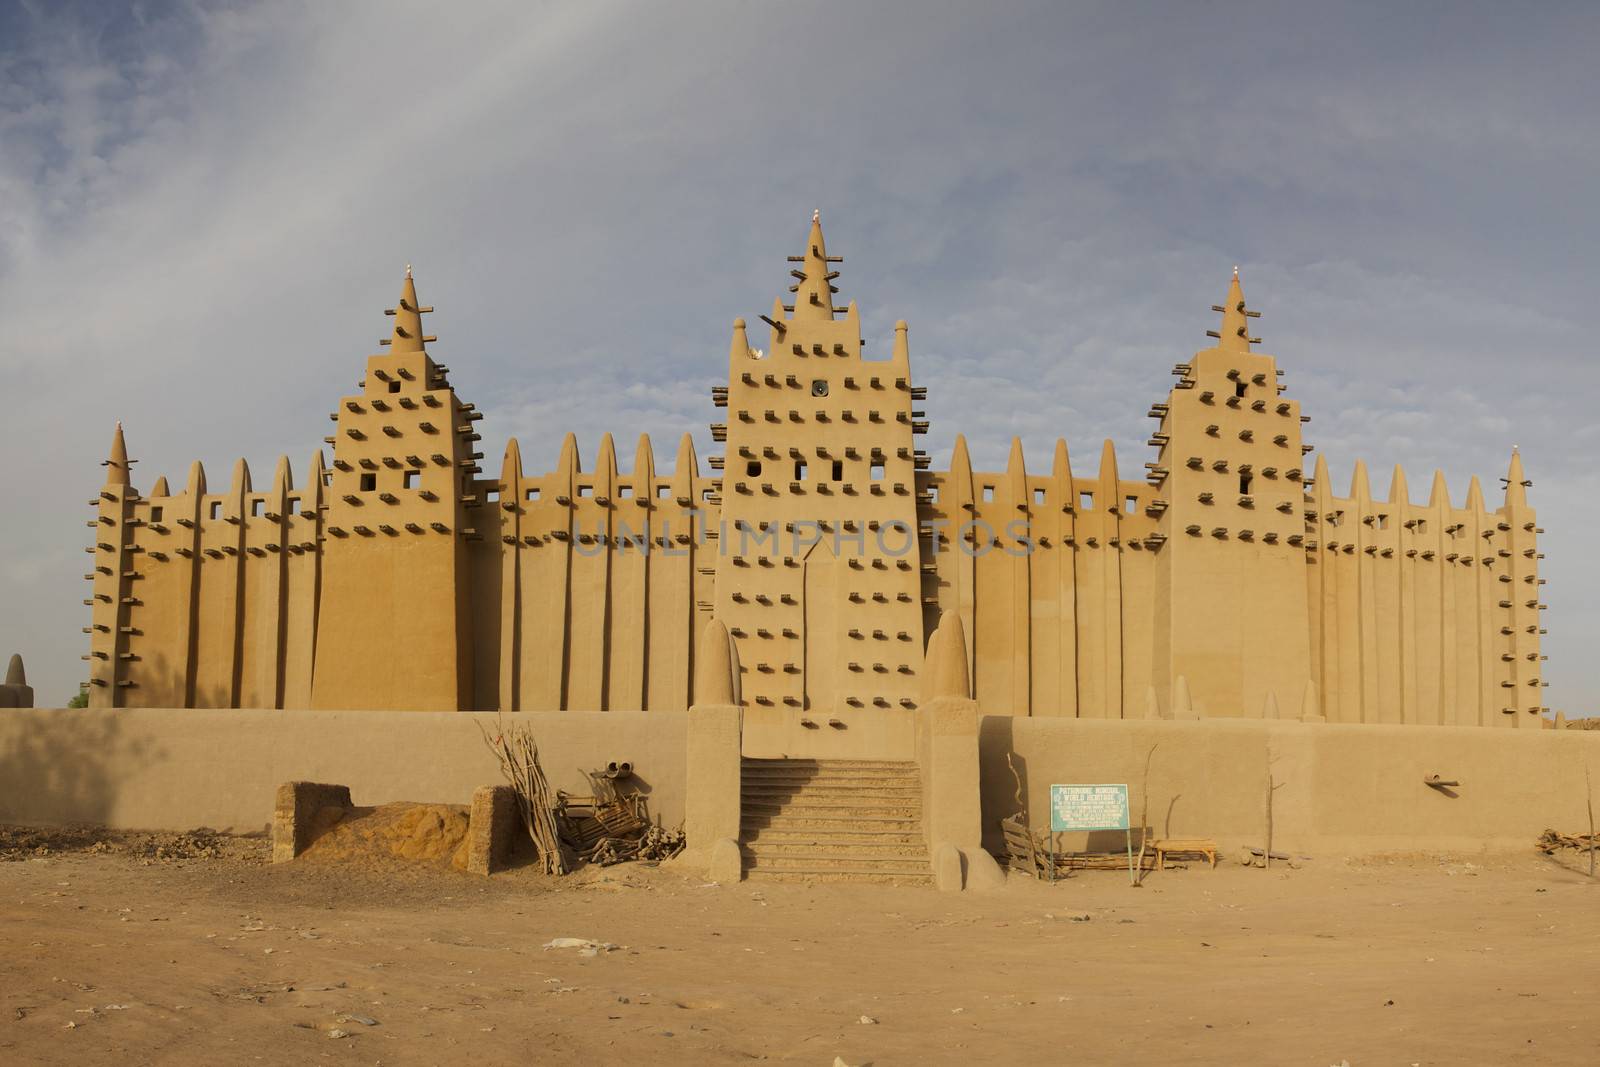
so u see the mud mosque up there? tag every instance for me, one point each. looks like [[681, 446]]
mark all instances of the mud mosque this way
[[1224, 579]]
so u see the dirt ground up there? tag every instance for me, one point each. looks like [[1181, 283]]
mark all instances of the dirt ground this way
[[191, 949]]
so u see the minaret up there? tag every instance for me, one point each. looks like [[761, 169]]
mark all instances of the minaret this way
[[1231, 601], [393, 629], [109, 599], [1517, 553], [817, 574]]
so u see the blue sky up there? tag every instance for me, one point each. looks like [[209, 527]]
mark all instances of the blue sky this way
[[205, 207]]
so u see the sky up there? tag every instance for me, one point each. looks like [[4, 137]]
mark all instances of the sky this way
[[204, 208]]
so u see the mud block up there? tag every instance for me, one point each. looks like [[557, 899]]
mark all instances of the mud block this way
[[301, 811], [492, 825], [727, 863], [982, 872]]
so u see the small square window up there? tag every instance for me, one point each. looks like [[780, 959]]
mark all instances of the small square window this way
[[624, 491], [838, 470], [1238, 389], [752, 469], [1244, 484], [408, 479], [663, 491], [369, 482], [216, 509], [531, 494], [1038, 496], [987, 496], [586, 490], [255, 509], [155, 514], [1132, 504], [394, 386], [1086, 501], [292, 505], [875, 471], [799, 470]]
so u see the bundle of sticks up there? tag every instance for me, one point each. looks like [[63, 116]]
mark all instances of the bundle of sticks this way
[[513, 745], [1552, 840], [654, 845]]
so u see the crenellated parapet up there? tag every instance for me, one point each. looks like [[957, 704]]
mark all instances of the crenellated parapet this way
[[1426, 613]]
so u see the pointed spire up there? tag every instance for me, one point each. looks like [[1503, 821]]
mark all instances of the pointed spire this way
[[160, 488], [511, 465], [116, 464], [1152, 703], [717, 668], [1017, 476], [1439, 496], [1319, 478], [196, 486], [1474, 495], [1360, 488], [282, 478], [1108, 476], [960, 475], [902, 346], [1234, 336], [813, 292], [1516, 482], [407, 335], [1399, 492], [1269, 710], [15, 675], [1061, 463], [686, 465], [644, 469], [567, 461], [314, 485], [605, 467], [739, 345], [947, 660], [241, 477]]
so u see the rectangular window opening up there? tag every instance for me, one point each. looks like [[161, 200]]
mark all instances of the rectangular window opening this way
[[838, 470], [255, 509], [1383, 522], [394, 386], [369, 482], [408, 479], [586, 490], [292, 504], [1244, 484], [1086, 501], [753, 469], [1038, 496], [624, 491], [988, 494], [1238, 388], [491, 495], [663, 491], [155, 514], [877, 470], [799, 470], [1132, 505], [531, 494], [216, 509]]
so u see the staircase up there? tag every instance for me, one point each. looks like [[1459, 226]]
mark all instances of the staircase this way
[[833, 820]]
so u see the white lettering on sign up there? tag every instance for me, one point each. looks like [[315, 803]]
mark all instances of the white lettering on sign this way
[[1088, 807]]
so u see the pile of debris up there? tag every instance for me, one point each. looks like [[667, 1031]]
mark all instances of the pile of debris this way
[[1553, 840], [613, 826]]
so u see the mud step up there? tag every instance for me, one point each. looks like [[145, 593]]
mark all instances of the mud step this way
[[829, 778], [784, 835], [748, 762], [789, 855], [850, 877], [749, 828]]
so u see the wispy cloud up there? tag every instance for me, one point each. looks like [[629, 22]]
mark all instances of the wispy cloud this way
[[203, 206]]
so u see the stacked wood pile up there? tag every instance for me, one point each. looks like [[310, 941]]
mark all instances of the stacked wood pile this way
[[514, 747], [613, 827], [1553, 840]]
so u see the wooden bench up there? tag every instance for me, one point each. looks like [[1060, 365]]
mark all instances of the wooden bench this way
[[1198, 846]]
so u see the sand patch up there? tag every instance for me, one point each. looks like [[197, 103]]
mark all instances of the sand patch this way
[[420, 833]]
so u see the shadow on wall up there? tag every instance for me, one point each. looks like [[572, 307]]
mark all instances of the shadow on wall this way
[[71, 773]]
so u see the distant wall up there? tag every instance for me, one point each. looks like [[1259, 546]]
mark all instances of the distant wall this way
[[167, 769], [1346, 789]]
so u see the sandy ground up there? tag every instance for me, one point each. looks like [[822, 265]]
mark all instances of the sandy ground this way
[[207, 955]]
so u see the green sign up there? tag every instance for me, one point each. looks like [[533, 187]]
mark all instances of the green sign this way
[[1088, 807]]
